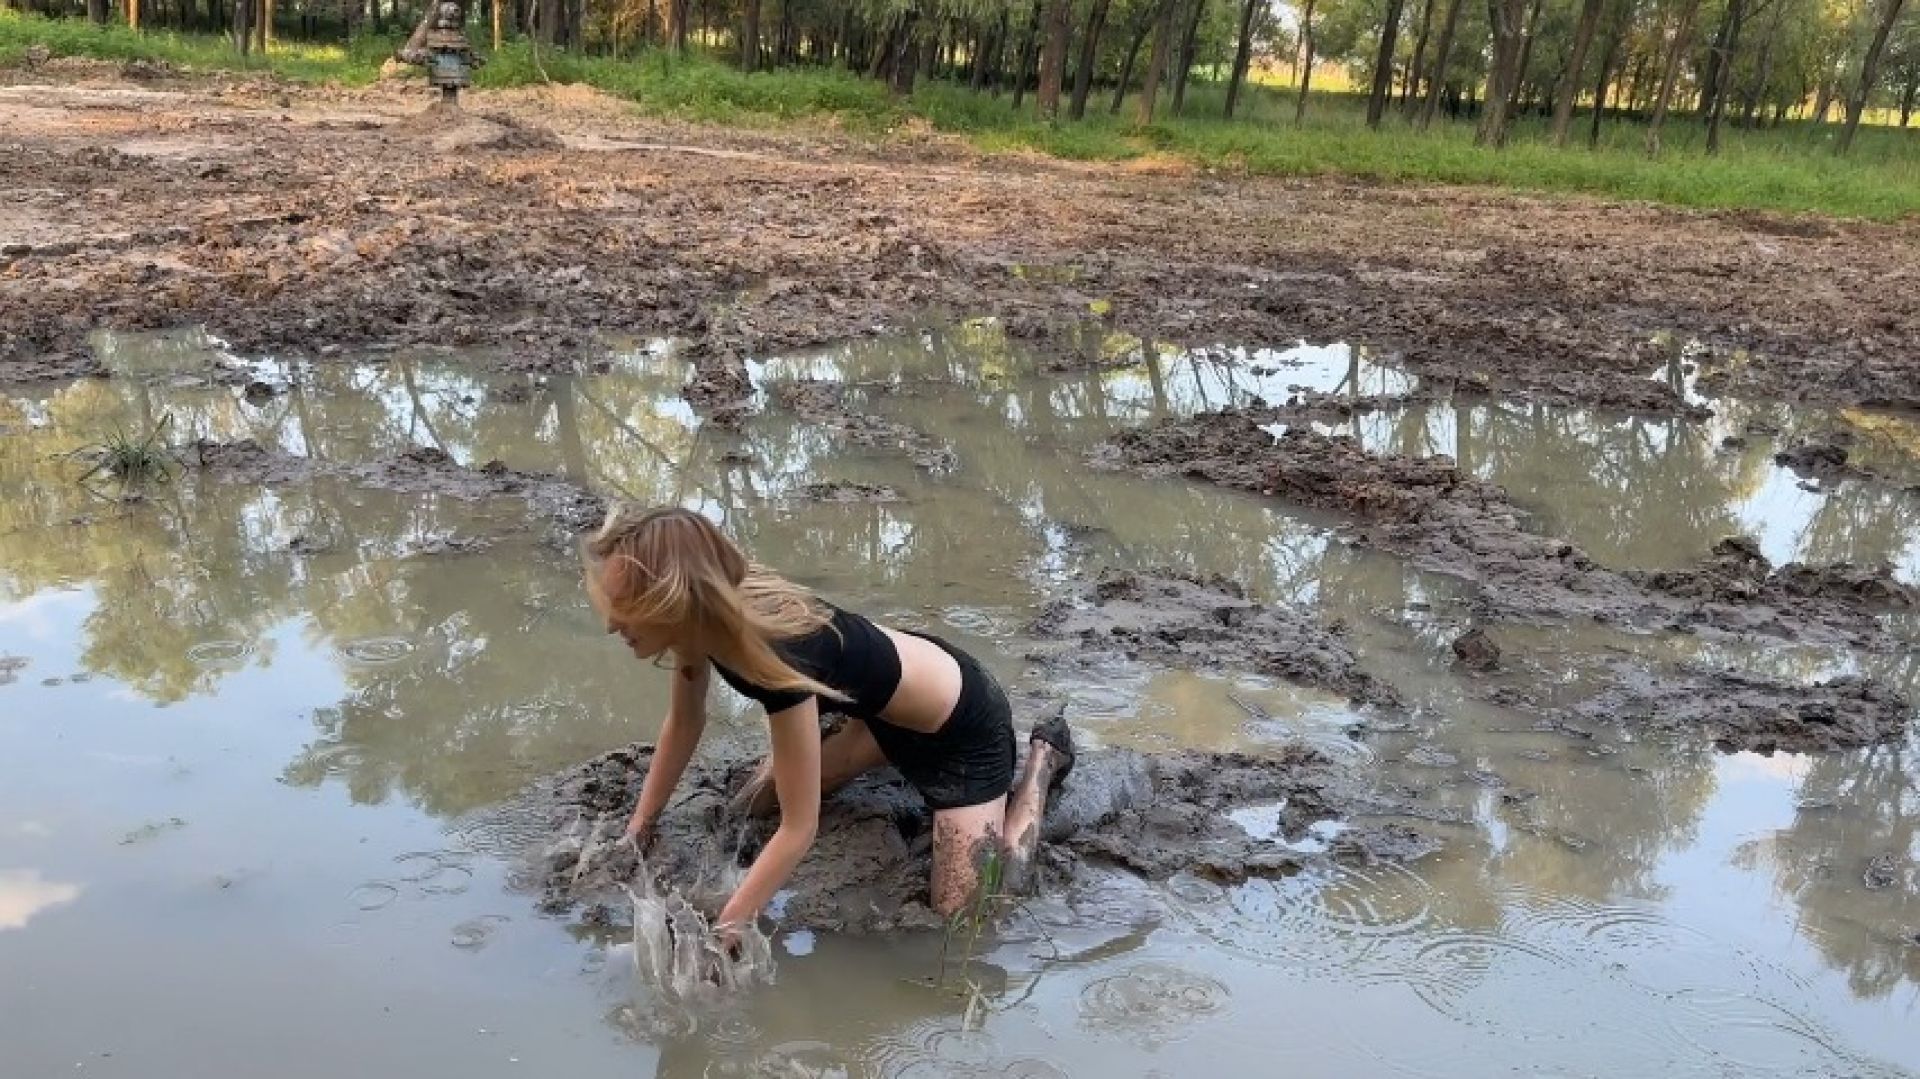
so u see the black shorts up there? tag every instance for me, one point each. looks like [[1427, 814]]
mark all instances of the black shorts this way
[[969, 760]]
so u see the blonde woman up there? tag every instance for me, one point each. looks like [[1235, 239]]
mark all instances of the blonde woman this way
[[669, 581]]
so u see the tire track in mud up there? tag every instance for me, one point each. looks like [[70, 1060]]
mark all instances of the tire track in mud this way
[[1445, 521]]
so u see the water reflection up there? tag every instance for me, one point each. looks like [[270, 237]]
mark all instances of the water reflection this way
[[461, 676]]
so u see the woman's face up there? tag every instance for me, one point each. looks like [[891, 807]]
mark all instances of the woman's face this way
[[646, 641]]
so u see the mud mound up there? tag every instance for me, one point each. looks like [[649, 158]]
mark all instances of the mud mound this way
[[452, 129], [1447, 522], [1197, 623], [841, 491], [419, 470], [1736, 572], [1747, 712], [826, 403], [868, 869]]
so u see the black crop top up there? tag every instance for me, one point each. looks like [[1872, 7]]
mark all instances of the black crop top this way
[[851, 655]]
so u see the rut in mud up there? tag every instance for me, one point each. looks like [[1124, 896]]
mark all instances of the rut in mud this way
[[1446, 521]]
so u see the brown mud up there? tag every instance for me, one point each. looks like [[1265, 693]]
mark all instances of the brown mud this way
[[826, 404], [309, 220], [1167, 618], [868, 871], [419, 470], [1448, 522]]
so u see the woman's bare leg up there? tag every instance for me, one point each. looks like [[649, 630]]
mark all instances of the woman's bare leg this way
[[1008, 826], [845, 755]]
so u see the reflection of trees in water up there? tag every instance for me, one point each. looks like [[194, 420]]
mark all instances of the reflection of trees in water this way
[[1854, 807]]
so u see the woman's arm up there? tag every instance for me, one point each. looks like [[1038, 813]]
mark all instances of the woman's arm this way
[[796, 778], [686, 721]]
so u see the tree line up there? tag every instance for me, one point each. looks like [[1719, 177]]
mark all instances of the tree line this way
[[1746, 63]]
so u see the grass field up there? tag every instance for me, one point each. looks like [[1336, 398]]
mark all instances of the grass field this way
[[1790, 168]]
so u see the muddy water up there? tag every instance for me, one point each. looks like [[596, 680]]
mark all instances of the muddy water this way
[[249, 739]]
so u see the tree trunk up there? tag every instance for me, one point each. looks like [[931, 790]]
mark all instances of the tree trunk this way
[[1907, 97], [1822, 101], [1053, 58], [1723, 73], [983, 57], [1606, 79], [749, 36], [98, 12], [1442, 56], [266, 25], [1025, 63], [1415, 68], [1515, 98], [1569, 87], [1089, 57], [1710, 73], [1306, 65], [1156, 62], [1507, 18], [1758, 89], [1243, 54], [1676, 52], [496, 24], [133, 14], [243, 25], [1869, 72], [1383, 64], [1184, 63], [676, 24], [906, 57], [1133, 53]]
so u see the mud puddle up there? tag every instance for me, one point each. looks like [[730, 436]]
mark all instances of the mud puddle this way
[[334, 688]]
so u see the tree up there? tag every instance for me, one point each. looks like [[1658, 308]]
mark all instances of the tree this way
[[1140, 29], [1306, 65], [1869, 72], [1569, 86], [1507, 19], [1383, 64], [1053, 58], [1089, 57], [1184, 65], [1442, 54], [1615, 36], [1156, 61], [750, 36], [1676, 52], [1724, 52], [1416, 66], [1242, 54], [99, 11], [1525, 63]]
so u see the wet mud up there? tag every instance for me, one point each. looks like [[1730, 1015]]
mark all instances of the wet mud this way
[[1180, 621], [827, 404], [1445, 521], [1737, 573], [311, 220], [868, 871], [1735, 711], [418, 470]]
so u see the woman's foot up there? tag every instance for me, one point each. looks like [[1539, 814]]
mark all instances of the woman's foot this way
[[1054, 733]]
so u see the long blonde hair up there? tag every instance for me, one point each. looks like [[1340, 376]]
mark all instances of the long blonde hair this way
[[672, 569]]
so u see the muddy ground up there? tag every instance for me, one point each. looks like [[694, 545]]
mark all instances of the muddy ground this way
[[1429, 511], [1153, 816], [296, 219]]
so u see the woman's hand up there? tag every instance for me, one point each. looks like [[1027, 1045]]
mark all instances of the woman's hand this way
[[641, 832]]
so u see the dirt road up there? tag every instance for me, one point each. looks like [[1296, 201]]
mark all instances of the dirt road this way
[[297, 219]]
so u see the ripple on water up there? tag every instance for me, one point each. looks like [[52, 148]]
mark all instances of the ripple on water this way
[[219, 653], [373, 895], [978, 621], [435, 872], [373, 651], [1155, 1002], [1326, 922], [1756, 1037], [474, 933]]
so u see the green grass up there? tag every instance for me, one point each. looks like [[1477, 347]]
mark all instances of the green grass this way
[[1789, 168]]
